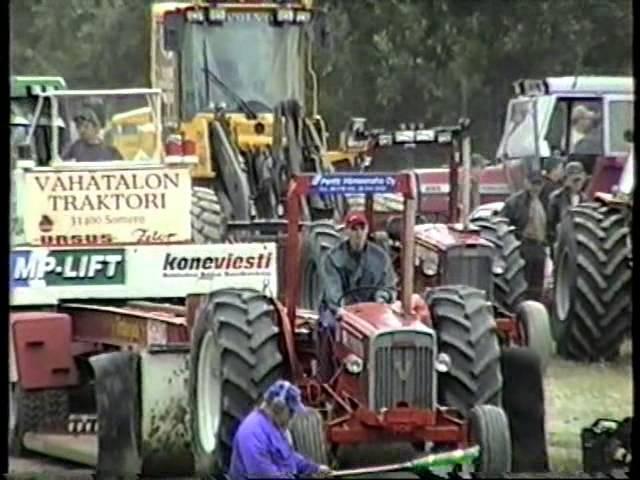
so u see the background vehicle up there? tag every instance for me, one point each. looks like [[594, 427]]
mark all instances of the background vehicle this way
[[551, 102], [100, 279], [248, 114], [591, 307], [454, 250]]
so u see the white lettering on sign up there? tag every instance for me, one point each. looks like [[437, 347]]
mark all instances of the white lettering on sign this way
[[249, 16], [114, 206], [434, 188]]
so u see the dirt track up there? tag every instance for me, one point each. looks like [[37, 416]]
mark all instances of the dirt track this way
[[576, 395]]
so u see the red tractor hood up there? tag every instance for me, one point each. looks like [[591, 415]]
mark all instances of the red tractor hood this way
[[370, 318], [443, 236]]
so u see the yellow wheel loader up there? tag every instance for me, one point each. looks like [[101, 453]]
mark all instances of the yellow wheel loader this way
[[240, 91]]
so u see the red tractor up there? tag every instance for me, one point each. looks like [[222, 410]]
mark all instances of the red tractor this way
[[449, 249], [590, 292], [389, 370]]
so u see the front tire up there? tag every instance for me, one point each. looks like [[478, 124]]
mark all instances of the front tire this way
[[490, 430], [533, 320], [466, 329], [235, 357]]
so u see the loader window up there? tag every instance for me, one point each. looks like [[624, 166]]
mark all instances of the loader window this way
[[261, 63]]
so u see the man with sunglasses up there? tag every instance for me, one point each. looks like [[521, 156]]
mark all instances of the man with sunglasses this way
[[569, 195], [89, 147], [525, 211]]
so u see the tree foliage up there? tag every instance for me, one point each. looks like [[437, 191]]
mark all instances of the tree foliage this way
[[428, 61]]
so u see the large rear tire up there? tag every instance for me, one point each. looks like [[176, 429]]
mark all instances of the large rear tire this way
[[591, 311], [510, 286], [235, 357], [320, 237], [207, 224], [463, 319]]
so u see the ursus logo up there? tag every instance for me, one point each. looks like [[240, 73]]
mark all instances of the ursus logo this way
[[46, 224]]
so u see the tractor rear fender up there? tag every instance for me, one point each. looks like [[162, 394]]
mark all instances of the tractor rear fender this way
[[606, 175], [41, 350], [288, 340], [143, 412]]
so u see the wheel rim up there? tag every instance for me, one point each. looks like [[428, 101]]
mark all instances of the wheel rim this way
[[209, 394], [562, 288]]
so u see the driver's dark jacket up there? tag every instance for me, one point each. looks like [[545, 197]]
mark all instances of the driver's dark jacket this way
[[345, 270], [516, 210]]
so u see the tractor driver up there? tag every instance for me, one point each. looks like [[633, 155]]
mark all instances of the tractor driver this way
[[357, 270], [89, 147]]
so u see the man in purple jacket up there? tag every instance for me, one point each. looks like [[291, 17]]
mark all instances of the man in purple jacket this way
[[261, 447]]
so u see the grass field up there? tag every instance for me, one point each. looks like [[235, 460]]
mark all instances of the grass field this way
[[576, 395]]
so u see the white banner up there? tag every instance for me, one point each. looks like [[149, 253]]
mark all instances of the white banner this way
[[43, 276], [138, 205]]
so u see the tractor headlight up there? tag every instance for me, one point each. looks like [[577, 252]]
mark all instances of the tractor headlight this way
[[499, 266], [353, 364], [285, 15], [385, 140], [445, 137], [303, 17], [217, 15], [429, 263], [405, 136], [195, 16], [443, 363], [425, 136]]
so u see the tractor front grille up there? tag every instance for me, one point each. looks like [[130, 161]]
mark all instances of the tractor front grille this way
[[470, 266], [402, 369]]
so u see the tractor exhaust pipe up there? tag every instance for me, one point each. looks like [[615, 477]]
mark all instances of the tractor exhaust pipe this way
[[466, 174]]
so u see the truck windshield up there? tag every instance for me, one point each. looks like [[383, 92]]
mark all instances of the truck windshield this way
[[260, 62]]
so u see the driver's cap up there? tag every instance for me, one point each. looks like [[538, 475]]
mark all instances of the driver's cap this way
[[356, 219], [87, 115]]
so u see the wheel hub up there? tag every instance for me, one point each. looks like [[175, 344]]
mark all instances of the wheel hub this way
[[209, 393]]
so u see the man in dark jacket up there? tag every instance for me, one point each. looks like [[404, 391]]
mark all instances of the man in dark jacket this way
[[357, 267], [569, 195], [553, 173], [261, 446], [525, 212]]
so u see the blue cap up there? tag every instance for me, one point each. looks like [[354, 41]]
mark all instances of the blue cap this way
[[286, 393]]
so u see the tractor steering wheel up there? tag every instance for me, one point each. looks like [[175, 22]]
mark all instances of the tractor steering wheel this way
[[390, 290]]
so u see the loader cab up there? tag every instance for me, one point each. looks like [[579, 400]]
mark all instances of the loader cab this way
[[577, 118], [230, 55]]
